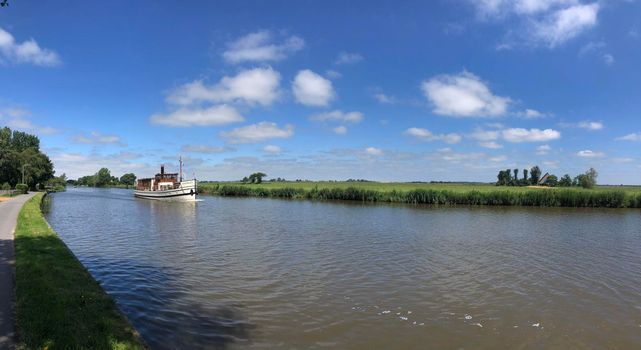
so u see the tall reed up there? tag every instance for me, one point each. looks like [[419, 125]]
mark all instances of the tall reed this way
[[527, 197]]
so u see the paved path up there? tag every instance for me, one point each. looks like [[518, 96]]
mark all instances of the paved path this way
[[8, 216]]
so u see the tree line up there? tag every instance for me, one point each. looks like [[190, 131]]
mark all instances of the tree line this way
[[510, 177], [103, 178], [22, 163]]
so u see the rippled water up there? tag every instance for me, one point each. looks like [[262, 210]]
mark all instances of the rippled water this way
[[264, 273]]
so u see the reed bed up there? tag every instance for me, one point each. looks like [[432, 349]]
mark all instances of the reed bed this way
[[547, 197]]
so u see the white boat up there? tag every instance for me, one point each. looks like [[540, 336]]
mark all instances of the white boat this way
[[167, 187]]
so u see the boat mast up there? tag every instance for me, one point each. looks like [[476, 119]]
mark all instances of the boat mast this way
[[180, 160]]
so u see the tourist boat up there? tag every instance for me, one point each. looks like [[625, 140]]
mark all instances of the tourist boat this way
[[167, 187]]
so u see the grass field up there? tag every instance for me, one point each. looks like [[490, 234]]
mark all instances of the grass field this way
[[59, 304], [435, 193]]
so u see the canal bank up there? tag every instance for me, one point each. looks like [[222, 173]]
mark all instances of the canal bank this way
[[59, 305], [9, 210]]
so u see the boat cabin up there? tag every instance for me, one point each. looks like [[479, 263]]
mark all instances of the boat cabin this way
[[161, 182]]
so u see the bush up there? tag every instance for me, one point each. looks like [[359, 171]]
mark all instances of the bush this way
[[6, 186], [22, 188]]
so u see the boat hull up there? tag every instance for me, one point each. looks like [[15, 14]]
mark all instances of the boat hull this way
[[185, 193]]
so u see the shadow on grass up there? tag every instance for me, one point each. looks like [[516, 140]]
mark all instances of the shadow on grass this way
[[61, 306]]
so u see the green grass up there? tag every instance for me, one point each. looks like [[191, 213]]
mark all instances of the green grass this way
[[59, 304], [435, 193]]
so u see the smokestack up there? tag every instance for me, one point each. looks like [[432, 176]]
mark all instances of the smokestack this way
[[162, 169]]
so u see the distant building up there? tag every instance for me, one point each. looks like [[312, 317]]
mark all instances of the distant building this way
[[543, 180]]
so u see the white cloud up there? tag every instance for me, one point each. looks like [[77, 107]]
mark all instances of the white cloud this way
[[311, 89], [348, 58], [630, 137], [337, 115], [333, 74], [385, 99], [426, 135], [257, 133], [25, 52], [497, 159], [340, 130], [530, 114], [543, 150], [15, 118], [186, 117], [588, 125], [373, 151], [565, 24], [272, 149], [608, 59], [530, 135], [260, 47], [97, 138], [204, 149], [252, 86], [590, 154], [490, 145], [463, 95], [549, 23]]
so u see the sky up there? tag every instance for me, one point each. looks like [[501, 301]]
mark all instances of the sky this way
[[445, 90]]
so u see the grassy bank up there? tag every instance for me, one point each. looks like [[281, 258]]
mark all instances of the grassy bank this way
[[437, 194], [59, 304]]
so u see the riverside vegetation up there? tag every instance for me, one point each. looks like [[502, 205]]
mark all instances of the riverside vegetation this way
[[434, 193], [58, 303]]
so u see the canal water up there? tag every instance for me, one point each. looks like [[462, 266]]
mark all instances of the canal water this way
[[267, 273]]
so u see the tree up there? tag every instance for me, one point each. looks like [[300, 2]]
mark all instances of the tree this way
[[535, 175], [20, 154], [525, 178], [245, 180], [516, 177], [128, 179], [566, 181], [102, 177], [256, 178], [588, 180], [552, 181]]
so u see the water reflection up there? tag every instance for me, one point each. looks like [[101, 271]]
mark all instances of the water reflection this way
[[262, 273]]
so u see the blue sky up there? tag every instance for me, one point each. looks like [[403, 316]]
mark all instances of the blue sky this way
[[411, 91]]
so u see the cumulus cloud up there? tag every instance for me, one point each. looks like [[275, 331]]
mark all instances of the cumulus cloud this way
[[630, 137], [311, 89], [340, 130], [348, 58], [255, 133], [261, 46], [549, 23], [463, 95], [373, 151], [426, 135], [75, 165], [340, 116], [204, 149], [252, 86], [186, 117], [272, 149], [25, 52], [590, 154], [530, 135], [94, 138]]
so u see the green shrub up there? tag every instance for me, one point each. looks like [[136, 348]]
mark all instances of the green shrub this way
[[6, 186], [22, 188]]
